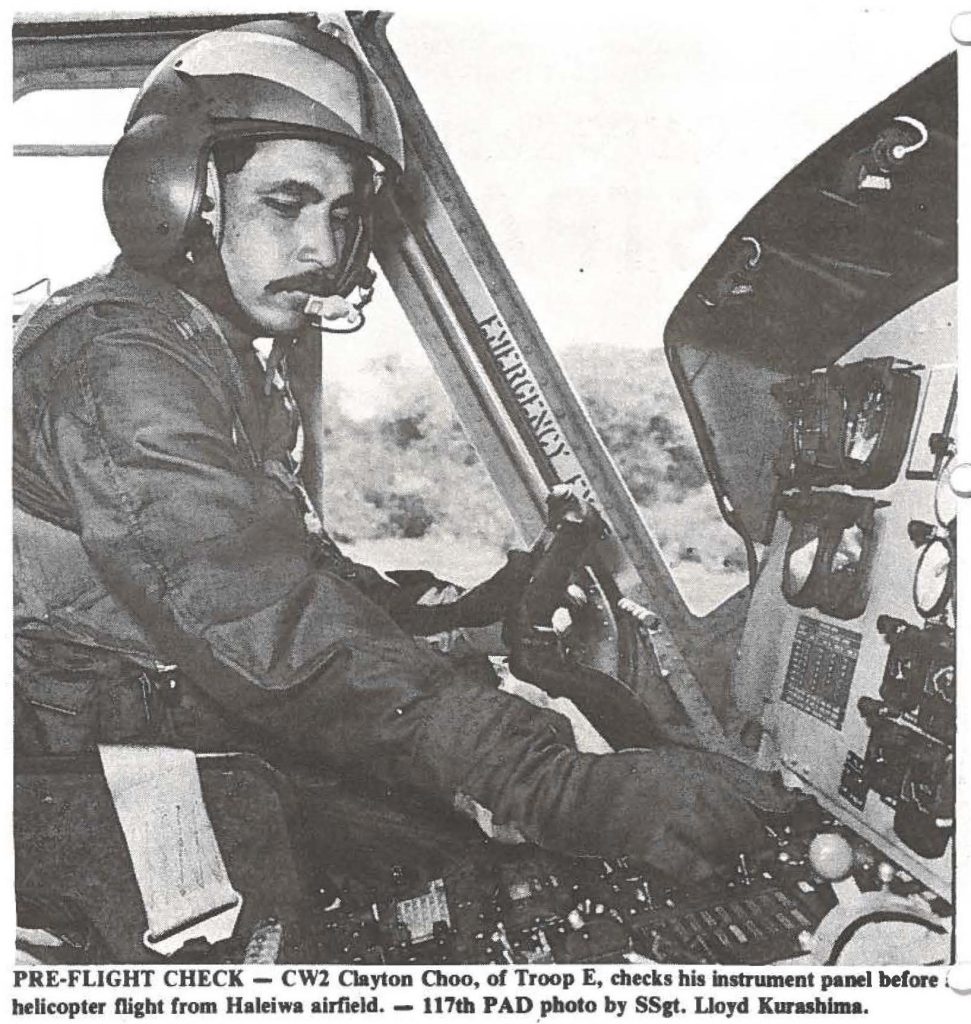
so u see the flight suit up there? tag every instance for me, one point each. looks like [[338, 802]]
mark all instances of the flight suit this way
[[159, 519]]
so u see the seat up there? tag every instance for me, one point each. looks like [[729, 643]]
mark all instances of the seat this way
[[291, 841]]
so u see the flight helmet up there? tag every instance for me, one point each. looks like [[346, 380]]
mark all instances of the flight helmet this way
[[259, 80]]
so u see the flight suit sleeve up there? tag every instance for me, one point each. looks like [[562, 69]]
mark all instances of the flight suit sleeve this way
[[212, 557]]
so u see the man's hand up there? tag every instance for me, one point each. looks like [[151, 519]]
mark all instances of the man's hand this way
[[705, 812], [492, 600], [483, 605]]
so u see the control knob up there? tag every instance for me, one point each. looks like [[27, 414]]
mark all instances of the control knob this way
[[831, 856]]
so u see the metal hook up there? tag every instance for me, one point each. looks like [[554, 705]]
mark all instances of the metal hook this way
[[332, 28], [900, 151], [757, 246]]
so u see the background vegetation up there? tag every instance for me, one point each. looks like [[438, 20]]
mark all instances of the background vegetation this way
[[406, 488]]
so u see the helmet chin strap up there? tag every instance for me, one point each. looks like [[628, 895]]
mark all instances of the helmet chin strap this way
[[202, 275]]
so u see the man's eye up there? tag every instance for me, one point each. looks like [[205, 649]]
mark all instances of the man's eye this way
[[285, 207]]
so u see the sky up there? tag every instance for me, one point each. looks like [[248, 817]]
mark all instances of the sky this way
[[608, 154]]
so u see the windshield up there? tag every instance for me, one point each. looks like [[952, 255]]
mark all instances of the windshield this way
[[604, 209]]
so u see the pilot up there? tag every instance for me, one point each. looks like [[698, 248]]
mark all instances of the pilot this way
[[161, 518]]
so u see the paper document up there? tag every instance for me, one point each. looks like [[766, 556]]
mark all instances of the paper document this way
[[174, 853]]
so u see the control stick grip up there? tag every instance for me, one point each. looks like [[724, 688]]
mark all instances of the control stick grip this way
[[572, 526]]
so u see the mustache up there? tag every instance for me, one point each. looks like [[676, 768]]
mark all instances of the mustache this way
[[315, 282]]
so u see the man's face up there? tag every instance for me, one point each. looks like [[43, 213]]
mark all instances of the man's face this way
[[289, 215]]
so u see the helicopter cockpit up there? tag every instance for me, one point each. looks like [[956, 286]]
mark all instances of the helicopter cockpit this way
[[813, 362]]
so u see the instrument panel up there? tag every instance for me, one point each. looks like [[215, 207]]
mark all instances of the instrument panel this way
[[522, 905], [847, 659]]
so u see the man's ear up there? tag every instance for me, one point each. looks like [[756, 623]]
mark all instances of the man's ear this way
[[212, 203]]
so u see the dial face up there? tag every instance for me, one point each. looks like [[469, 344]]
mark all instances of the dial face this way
[[901, 668], [940, 683], [901, 682], [808, 424], [863, 428], [945, 501], [849, 551], [932, 579]]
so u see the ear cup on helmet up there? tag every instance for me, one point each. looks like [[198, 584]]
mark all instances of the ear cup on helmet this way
[[154, 183]]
